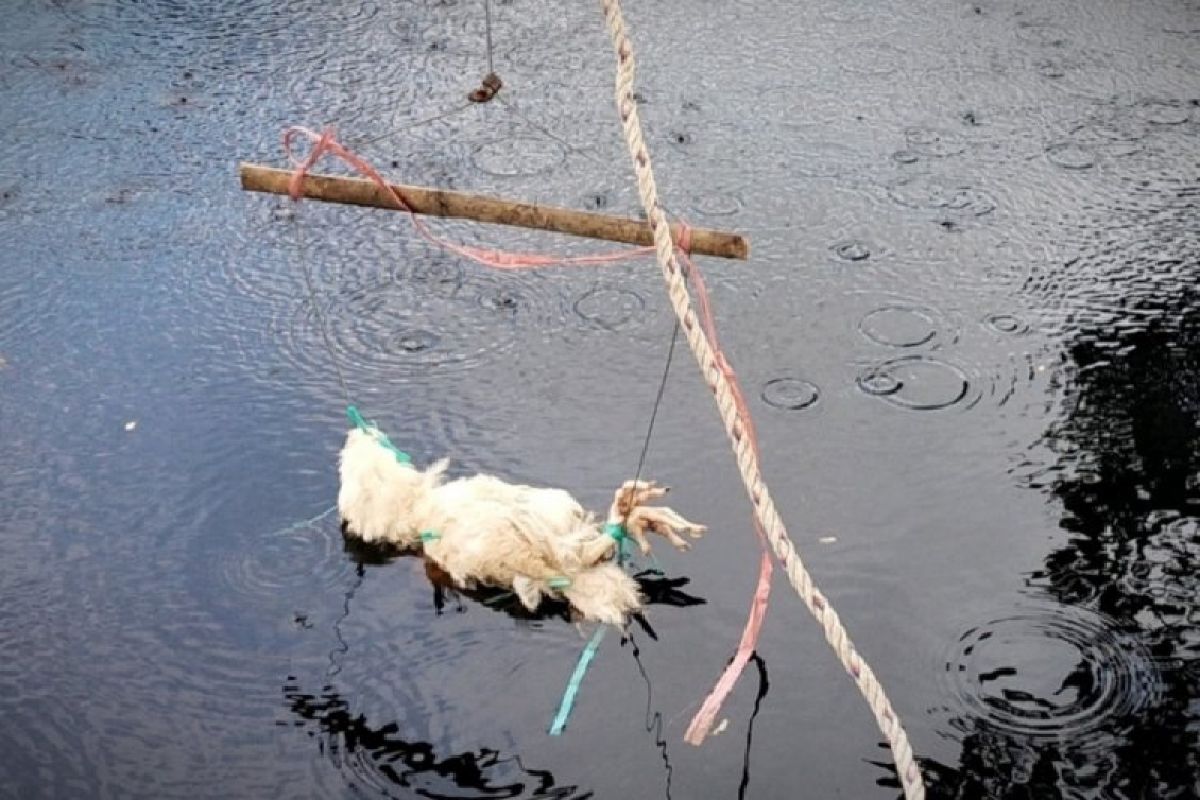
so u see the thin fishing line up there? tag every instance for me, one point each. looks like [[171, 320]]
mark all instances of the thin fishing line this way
[[542, 129], [487, 19], [312, 298], [662, 388], [427, 120]]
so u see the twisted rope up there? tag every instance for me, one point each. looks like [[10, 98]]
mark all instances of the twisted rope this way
[[717, 376]]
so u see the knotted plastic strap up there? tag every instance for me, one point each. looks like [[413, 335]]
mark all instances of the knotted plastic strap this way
[[369, 428], [616, 530]]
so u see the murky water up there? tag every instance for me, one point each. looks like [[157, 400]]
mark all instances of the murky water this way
[[969, 332]]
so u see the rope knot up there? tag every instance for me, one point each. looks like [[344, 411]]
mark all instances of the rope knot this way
[[683, 239], [323, 142], [487, 89]]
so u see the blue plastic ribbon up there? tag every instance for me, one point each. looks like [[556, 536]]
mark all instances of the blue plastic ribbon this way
[[572, 690]]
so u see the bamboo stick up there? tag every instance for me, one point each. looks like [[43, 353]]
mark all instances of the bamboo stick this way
[[480, 208]]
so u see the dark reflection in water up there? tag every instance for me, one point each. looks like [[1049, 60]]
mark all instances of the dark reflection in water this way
[[414, 766], [1117, 716], [656, 588], [764, 686], [654, 718], [381, 752]]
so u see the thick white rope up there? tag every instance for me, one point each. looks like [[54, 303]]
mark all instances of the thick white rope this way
[[887, 719]]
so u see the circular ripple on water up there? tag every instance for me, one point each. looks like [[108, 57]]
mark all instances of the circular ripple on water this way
[[901, 326], [1042, 33], [1105, 131], [372, 99], [934, 142], [519, 156], [278, 240], [610, 308], [1009, 324], [281, 564], [938, 194], [718, 204], [174, 32], [1059, 673], [1163, 113], [790, 394], [402, 328], [919, 383], [1070, 155], [853, 250]]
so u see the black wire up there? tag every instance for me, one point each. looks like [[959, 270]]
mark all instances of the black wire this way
[[662, 387], [487, 18]]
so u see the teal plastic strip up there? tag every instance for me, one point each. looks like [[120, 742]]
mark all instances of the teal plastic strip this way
[[500, 598], [572, 690], [616, 531], [356, 418]]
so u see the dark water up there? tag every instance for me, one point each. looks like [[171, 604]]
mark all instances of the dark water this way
[[970, 332]]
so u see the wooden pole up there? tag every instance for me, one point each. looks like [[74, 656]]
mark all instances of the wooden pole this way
[[480, 208]]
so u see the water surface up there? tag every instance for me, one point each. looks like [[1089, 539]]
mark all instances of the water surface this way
[[968, 332]]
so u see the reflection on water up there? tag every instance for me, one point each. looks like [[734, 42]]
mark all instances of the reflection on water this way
[[380, 759], [1097, 697], [655, 587]]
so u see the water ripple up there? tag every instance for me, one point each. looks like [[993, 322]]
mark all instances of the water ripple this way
[[933, 193], [525, 155], [790, 394], [854, 250], [305, 555], [934, 142], [900, 326], [172, 32], [919, 383], [423, 323], [1005, 323], [1052, 674], [1070, 155], [610, 307]]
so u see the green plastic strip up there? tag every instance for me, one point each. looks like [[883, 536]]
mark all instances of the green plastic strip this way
[[616, 530], [568, 698], [429, 536], [370, 428]]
